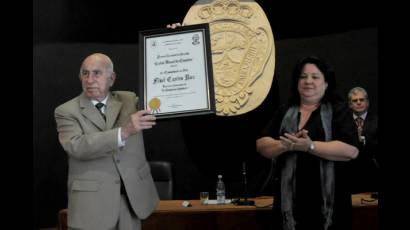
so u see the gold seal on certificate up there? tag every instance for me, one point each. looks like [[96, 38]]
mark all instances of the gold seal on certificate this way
[[154, 104], [243, 52]]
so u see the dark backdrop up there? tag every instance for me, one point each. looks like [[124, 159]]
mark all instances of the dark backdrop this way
[[198, 147]]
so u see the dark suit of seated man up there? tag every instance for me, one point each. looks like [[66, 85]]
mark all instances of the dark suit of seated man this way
[[109, 180]]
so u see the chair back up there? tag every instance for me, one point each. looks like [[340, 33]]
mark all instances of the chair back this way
[[162, 174]]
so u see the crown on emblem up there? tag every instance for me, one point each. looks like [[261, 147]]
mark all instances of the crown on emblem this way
[[225, 9]]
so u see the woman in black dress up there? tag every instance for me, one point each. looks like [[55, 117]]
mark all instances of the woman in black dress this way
[[309, 192]]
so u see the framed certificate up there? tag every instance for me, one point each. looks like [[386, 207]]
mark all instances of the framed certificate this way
[[176, 76]]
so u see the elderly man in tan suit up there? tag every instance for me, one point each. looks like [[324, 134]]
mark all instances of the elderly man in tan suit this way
[[109, 181]]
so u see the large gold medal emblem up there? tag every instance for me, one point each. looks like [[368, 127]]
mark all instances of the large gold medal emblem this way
[[243, 54]]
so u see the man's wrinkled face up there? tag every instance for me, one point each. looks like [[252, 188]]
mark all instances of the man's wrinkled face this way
[[96, 77]]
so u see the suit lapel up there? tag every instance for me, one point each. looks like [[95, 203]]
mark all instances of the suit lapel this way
[[91, 112], [113, 109]]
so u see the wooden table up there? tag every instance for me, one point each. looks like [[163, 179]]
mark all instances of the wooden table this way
[[170, 214], [365, 212]]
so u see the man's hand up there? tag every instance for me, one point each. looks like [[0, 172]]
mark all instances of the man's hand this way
[[174, 25], [137, 122]]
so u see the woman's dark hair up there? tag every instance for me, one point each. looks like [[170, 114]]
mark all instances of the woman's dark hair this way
[[328, 74]]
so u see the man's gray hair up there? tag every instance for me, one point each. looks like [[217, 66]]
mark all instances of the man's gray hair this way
[[356, 90]]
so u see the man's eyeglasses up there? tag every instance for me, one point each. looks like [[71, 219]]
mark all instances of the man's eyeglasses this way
[[358, 99]]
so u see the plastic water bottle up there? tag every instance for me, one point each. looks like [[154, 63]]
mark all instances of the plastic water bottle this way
[[220, 191]]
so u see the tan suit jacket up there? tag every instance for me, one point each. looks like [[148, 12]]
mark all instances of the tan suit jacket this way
[[96, 163]]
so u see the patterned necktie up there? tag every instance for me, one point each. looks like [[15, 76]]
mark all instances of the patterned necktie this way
[[359, 123], [99, 106]]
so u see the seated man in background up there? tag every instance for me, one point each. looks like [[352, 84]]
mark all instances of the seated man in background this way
[[364, 124]]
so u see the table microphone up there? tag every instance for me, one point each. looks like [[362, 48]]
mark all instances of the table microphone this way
[[245, 201], [375, 195]]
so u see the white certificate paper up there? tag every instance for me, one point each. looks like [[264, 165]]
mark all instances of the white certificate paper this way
[[177, 72]]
